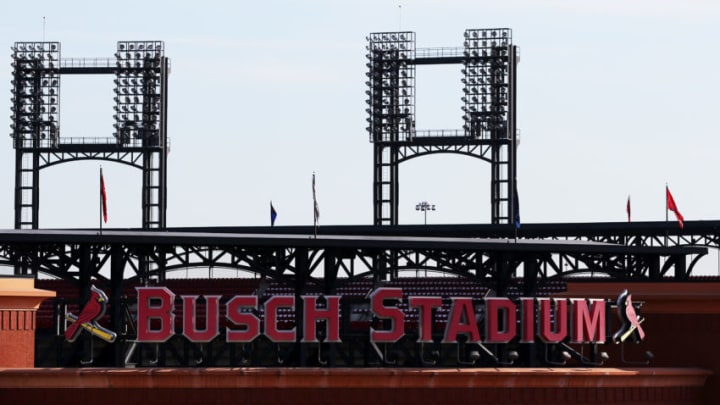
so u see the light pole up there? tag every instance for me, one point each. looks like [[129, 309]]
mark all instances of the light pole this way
[[425, 206]]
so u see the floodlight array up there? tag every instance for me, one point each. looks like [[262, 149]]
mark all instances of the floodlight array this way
[[138, 89], [35, 91], [391, 86], [486, 82]]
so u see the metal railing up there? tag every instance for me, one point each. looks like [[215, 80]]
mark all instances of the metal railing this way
[[84, 63], [447, 133], [87, 63], [438, 52], [132, 142], [49, 143], [438, 133]]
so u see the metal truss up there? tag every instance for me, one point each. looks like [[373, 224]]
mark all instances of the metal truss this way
[[703, 239], [476, 150], [140, 139], [321, 265], [561, 259], [489, 102], [648, 234], [107, 149]]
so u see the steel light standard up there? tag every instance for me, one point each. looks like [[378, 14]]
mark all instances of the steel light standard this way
[[425, 206]]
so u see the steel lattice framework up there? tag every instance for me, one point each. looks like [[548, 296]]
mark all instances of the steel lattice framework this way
[[140, 138], [61, 254], [489, 61], [320, 265]]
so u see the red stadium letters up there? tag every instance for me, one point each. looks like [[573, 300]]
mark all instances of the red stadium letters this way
[[582, 320]]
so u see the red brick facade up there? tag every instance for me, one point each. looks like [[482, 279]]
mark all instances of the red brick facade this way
[[521, 386], [683, 324], [19, 301]]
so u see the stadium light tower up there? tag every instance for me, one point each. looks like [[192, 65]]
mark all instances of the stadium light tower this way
[[140, 136], [488, 61], [424, 206]]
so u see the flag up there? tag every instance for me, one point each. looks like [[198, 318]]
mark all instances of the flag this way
[[273, 214], [670, 204], [103, 196], [627, 208], [516, 209], [316, 209]]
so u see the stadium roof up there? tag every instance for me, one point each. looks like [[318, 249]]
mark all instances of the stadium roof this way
[[188, 237]]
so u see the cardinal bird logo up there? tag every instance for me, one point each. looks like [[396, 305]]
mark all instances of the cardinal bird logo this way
[[87, 320], [630, 320]]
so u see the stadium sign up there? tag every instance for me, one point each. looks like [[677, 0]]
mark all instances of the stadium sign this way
[[550, 319]]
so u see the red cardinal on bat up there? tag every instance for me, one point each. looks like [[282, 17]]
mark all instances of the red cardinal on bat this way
[[94, 309], [630, 319]]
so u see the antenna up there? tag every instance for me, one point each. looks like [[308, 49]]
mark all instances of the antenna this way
[[43, 28], [399, 17]]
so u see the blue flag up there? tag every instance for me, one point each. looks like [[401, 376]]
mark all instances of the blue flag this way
[[273, 214]]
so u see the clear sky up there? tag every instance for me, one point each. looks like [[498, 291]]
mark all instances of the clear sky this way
[[616, 98]]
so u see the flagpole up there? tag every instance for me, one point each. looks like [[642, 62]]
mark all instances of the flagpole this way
[[516, 211], [515, 216], [315, 207], [666, 204], [667, 223], [626, 239], [101, 201]]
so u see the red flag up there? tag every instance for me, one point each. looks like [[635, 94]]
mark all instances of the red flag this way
[[103, 196], [627, 208], [672, 207]]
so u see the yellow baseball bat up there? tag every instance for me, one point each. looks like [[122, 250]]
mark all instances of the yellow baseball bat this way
[[631, 330], [104, 334]]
